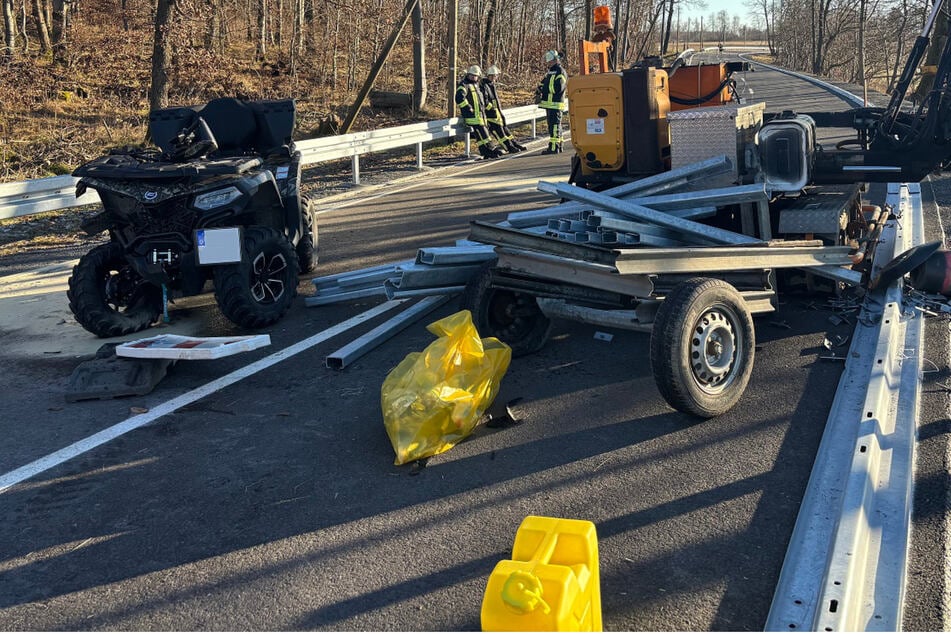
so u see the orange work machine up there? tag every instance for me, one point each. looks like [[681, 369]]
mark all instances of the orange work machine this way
[[618, 120]]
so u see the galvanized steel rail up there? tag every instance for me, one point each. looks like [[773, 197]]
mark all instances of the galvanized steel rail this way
[[22, 198], [845, 566]]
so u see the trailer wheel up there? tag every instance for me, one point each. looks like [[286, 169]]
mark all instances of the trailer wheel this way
[[702, 347], [512, 317]]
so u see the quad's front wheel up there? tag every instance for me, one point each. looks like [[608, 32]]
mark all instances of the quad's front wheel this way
[[512, 317], [257, 291], [701, 349], [108, 297]]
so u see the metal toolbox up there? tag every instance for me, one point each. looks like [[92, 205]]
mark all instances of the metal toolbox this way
[[703, 133]]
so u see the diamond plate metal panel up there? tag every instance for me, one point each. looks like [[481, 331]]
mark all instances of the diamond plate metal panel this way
[[703, 133]]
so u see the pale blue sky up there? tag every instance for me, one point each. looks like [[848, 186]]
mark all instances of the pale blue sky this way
[[732, 7]]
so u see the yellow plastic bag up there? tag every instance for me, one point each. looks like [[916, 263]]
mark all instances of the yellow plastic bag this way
[[434, 398]]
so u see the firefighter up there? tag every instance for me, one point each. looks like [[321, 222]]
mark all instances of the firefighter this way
[[493, 113], [551, 97], [472, 108]]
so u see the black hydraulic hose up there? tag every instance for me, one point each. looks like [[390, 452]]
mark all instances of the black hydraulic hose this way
[[704, 99]]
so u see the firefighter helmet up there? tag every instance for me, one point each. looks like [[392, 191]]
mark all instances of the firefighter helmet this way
[[551, 56], [492, 70], [474, 70]]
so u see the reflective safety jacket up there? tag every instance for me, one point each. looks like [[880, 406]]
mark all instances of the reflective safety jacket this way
[[470, 101], [493, 108], [552, 89]]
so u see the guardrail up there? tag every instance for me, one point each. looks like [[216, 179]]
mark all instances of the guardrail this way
[[22, 198], [845, 568]]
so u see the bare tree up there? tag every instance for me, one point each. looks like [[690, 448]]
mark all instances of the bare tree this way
[[261, 40], [161, 54], [489, 29], [9, 30], [669, 22]]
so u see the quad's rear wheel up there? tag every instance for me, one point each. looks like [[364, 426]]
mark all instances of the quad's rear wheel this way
[[257, 291], [307, 246], [108, 297], [701, 349], [512, 317]]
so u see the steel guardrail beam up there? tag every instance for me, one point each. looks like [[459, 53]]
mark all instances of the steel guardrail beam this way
[[845, 565], [22, 198], [42, 194]]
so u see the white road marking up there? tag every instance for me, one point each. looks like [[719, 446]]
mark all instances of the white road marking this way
[[57, 458]]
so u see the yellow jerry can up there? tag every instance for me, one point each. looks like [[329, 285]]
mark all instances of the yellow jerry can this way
[[551, 584]]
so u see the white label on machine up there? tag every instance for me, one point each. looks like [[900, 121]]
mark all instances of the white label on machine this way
[[595, 126], [218, 246]]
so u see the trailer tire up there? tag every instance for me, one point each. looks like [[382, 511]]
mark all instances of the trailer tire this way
[[511, 317], [258, 290], [701, 348], [307, 246]]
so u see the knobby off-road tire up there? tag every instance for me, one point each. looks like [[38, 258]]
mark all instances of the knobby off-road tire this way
[[512, 317], [307, 246], [108, 297], [257, 291], [702, 345]]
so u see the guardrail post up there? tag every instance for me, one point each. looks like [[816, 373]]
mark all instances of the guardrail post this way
[[534, 130], [468, 145], [419, 155], [355, 161]]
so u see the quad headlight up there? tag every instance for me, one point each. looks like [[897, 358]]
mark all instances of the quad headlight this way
[[217, 198]]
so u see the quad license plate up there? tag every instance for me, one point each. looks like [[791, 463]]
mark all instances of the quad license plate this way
[[218, 246]]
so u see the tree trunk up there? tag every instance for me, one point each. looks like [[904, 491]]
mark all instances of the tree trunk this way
[[161, 55], [212, 25], [26, 38], [419, 59], [769, 26], [261, 37], [9, 30], [863, 5], [562, 29], [670, 21], [489, 26], [453, 45], [588, 17], [60, 30]]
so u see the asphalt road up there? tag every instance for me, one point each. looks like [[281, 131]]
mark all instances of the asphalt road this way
[[274, 504]]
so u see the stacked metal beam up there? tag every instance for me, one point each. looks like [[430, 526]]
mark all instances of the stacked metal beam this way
[[435, 271], [654, 212]]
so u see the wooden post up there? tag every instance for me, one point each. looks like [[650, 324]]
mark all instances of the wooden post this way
[[377, 67]]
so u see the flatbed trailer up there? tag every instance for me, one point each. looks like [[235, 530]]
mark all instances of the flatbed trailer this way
[[696, 301]]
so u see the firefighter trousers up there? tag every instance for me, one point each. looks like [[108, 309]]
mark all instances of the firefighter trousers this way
[[555, 137]]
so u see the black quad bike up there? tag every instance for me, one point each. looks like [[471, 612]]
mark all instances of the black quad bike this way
[[218, 200]]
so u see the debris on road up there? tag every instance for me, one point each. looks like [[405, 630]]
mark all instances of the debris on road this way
[[433, 399], [552, 583], [180, 347], [112, 377], [358, 347]]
